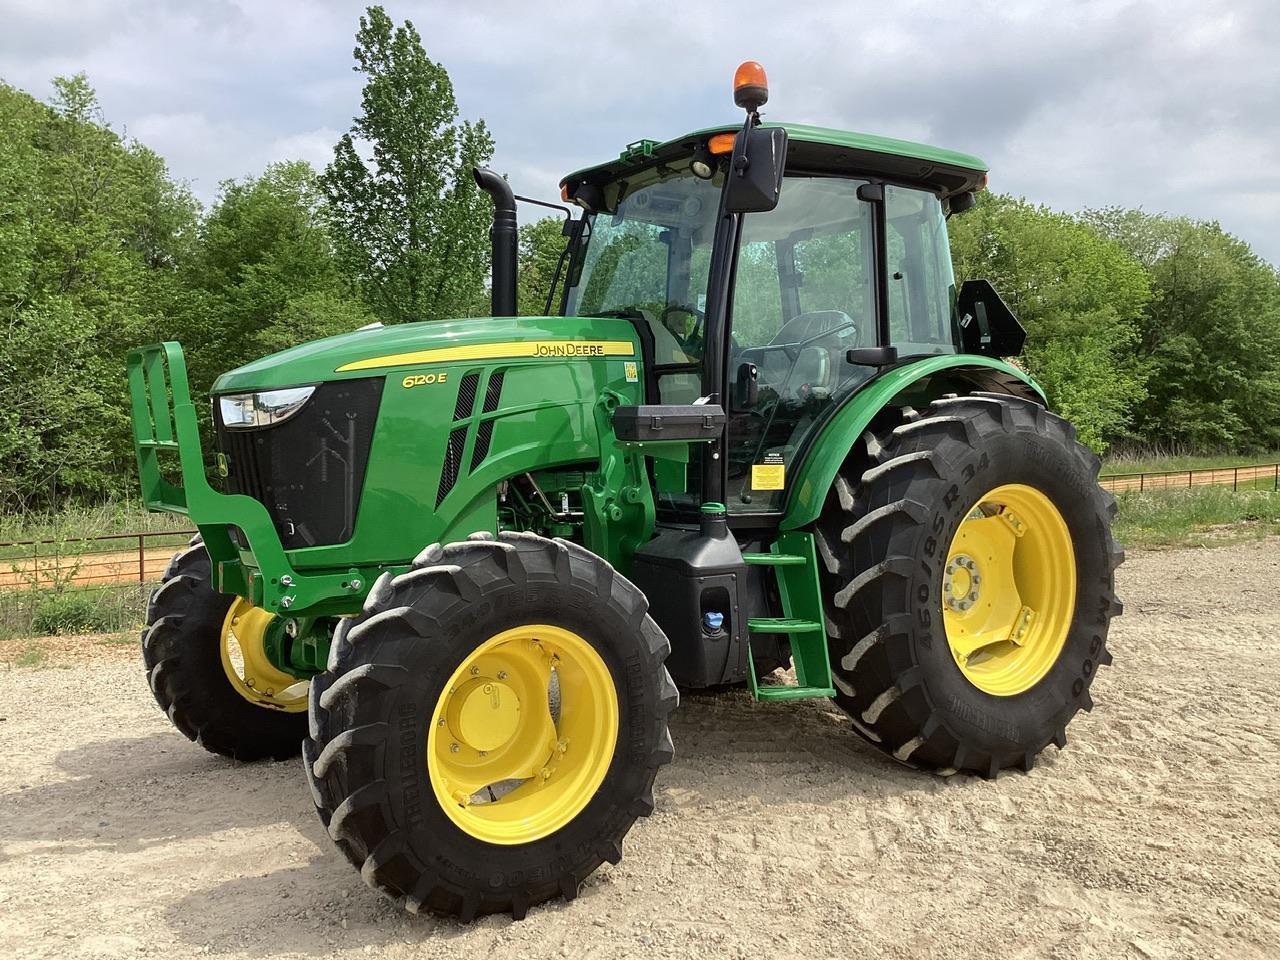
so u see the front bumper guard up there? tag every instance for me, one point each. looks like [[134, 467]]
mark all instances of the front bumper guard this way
[[166, 434]]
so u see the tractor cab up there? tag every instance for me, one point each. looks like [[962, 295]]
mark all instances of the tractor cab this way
[[778, 309]]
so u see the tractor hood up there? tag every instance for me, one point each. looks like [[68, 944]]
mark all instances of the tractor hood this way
[[410, 346]]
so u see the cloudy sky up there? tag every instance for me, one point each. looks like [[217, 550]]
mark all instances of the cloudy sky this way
[[1171, 105]]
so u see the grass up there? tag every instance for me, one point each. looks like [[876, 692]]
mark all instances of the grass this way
[[128, 638], [1196, 517], [1160, 462], [34, 656], [106, 609], [122, 516]]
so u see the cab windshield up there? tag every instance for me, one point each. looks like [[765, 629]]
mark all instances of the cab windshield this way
[[647, 256]]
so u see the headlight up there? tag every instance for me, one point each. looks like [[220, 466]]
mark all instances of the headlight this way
[[242, 410]]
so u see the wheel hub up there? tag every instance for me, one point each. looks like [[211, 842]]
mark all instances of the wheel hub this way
[[484, 714], [961, 583]]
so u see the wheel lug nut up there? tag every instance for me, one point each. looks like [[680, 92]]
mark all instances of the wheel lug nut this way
[[502, 674], [474, 671], [454, 748]]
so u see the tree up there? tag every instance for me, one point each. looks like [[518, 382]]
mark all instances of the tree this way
[[1210, 333], [411, 222], [267, 275], [541, 244], [1080, 296], [92, 232]]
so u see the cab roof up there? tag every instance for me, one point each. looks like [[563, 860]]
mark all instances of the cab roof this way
[[820, 150]]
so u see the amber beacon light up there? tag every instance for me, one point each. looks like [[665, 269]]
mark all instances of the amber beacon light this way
[[750, 85]]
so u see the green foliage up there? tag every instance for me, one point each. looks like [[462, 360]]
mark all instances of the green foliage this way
[[1081, 298], [412, 224], [69, 613], [91, 235], [1210, 334], [541, 244], [266, 275]]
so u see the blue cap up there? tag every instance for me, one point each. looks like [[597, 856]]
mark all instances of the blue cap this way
[[713, 620]]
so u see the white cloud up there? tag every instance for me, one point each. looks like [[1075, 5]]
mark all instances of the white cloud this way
[[1170, 105]]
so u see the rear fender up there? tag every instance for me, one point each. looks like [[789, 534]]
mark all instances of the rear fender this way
[[914, 383]]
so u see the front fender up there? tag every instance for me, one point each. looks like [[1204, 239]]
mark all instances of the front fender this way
[[836, 437]]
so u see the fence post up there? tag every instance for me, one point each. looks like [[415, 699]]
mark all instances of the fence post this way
[[142, 556], [1142, 482], [1235, 479]]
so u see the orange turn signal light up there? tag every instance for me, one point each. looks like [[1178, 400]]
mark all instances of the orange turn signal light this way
[[722, 143], [564, 192]]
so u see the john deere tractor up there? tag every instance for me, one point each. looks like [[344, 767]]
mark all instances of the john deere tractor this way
[[459, 564]]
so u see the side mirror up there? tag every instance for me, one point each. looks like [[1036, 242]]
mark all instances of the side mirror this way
[[755, 170], [987, 325]]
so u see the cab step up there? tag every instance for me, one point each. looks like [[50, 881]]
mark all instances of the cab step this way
[[774, 559], [796, 566], [793, 693], [782, 625]]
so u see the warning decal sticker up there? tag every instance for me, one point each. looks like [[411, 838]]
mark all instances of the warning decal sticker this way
[[770, 475]]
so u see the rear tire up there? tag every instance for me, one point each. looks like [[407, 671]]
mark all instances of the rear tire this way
[[390, 669], [883, 539], [181, 646]]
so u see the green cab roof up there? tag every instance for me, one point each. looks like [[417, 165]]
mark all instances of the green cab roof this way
[[821, 149]]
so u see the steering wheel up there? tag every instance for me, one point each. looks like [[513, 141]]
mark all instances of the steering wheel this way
[[798, 333]]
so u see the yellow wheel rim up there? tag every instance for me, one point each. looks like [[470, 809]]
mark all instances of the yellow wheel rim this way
[[244, 658], [523, 734], [1009, 589]]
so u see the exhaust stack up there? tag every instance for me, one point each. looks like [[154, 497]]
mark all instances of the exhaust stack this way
[[503, 237]]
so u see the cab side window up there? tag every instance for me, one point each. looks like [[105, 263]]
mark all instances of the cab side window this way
[[803, 295]]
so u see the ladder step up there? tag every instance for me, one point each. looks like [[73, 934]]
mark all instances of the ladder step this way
[[782, 625], [793, 693], [158, 444], [774, 559]]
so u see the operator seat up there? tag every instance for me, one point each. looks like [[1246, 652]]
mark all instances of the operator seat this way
[[676, 388]]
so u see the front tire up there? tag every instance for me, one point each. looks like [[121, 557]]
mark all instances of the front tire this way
[[969, 576], [441, 686], [184, 649]]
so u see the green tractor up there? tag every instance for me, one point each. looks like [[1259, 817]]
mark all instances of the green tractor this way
[[461, 563]]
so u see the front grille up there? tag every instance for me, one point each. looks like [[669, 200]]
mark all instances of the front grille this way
[[309, 470]]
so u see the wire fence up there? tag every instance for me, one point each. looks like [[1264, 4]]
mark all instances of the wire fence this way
[[1263, 476], [73, 562], [141, 557]]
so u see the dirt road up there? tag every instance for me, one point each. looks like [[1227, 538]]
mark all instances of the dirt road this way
[[778, 833]]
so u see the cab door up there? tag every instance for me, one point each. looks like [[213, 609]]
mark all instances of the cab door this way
[[803, 296]]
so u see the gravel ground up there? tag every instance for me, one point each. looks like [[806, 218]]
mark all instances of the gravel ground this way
[[778, 832]]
